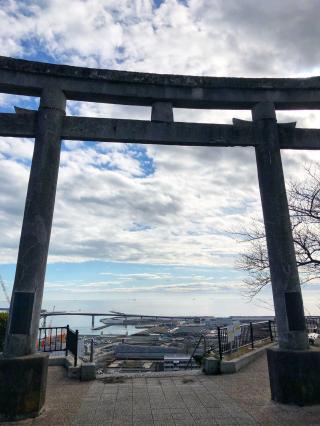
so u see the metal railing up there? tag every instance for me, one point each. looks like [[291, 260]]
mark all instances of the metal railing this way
[[249, 336], [209, 344], [225, 340], [72, 344], [313, 324], [255, 333], [52, 339], [202, 338], [58, 339]]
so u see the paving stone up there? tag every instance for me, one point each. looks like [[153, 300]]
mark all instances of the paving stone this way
[[161, 415], [147, 419], [104, 413], [200, 415], [180, 413], [240, 399], [122, 422], [184, 422], [203, 422]]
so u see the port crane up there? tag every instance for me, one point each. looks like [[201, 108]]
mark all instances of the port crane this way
[[4, 290]]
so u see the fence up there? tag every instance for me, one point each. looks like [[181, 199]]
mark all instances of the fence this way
[[247, 335], [250, 335], [313, 324], [52, 339], [58, 339], [72, 343], [230, 338], [204, 345]]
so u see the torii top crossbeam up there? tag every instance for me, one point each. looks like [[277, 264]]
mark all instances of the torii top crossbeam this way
[[131, 88], [135, 88]]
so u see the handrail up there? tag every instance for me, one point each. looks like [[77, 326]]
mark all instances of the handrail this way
[[66, 340], [206, 349], [194, 350]]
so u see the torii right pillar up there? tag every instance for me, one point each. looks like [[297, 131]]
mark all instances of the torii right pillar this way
[[294, 368]]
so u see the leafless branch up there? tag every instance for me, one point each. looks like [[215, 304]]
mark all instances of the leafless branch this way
[[304, 206]]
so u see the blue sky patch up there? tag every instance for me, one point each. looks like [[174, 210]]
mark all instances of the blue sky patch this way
[[139, 152]]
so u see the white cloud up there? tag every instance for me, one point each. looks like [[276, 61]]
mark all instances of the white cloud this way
[[188, 287], [210, 37], [108, 206]]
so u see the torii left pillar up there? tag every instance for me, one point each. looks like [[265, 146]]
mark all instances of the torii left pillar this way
[[23, 371]]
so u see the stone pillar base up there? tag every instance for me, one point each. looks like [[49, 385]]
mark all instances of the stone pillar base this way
[[211, 365], [294, 376], [88, 371], [23, 383]]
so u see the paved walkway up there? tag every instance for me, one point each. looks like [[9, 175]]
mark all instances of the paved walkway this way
[[239, 399]]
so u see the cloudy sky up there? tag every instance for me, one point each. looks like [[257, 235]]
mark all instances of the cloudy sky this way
[[152, 223]]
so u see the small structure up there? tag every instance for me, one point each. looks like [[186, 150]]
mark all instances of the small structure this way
[[178, 362], [124, 351], [132, 366], [291, 365]]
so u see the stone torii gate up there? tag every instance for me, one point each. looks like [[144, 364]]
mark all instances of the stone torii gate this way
[[290, 379]]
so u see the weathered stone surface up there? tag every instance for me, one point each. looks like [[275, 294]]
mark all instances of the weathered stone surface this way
[[146, 132], [211, 366], [237, 364], [33, 67], [240, 399], [294, 376], [120, 130], [37, 221], [22, 386], [162, 112], [88, 371], [283, 267], [133, 88]]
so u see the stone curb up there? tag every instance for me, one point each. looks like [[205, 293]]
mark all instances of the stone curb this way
[[83, 371], [234, 365]]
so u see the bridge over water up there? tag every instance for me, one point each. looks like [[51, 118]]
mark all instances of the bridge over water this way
[[113, 314]]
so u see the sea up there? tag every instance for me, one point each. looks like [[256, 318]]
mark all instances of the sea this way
[[149, 304], [83, 323]]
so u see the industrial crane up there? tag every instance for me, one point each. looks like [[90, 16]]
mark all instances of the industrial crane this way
[[4, 290]]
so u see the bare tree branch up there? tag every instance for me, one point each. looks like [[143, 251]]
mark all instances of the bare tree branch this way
[[304, 207]]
